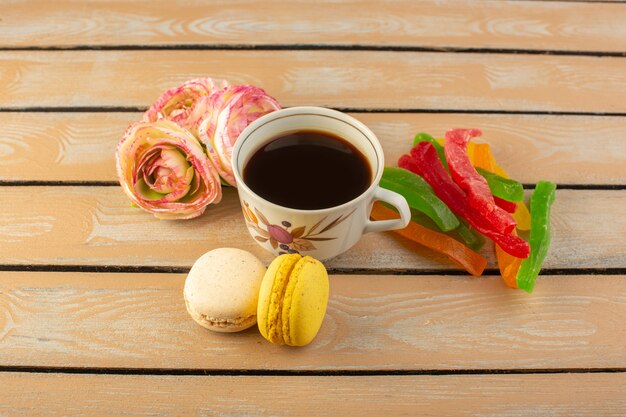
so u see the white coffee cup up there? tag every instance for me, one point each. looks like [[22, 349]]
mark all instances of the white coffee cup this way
[[322, 233]]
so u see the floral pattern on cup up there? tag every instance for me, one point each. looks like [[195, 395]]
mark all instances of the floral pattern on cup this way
[[287, 237]]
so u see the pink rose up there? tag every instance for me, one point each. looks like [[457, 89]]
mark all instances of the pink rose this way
[[178, 104], [229, 112], [163, 169]]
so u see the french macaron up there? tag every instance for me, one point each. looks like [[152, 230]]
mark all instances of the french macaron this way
[[222, 289], [292, 300]]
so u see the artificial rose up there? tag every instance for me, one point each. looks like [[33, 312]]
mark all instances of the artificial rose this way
[[178, 104], [229, 112], [163, 169]]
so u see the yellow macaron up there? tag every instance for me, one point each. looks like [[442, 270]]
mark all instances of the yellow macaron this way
[[292, 300]]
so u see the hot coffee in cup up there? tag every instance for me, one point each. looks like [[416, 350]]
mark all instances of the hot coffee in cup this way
[[308, 170], [307, 178]]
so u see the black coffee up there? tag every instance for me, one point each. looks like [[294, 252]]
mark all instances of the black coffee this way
[[308, 170]]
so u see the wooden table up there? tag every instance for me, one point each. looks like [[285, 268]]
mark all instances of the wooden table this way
[[92, 320]]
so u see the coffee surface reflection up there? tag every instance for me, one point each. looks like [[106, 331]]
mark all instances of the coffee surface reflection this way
[[308, 170]]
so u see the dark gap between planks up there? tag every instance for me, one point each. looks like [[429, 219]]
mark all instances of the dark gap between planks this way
[[317, 47], [295, 373], [48, 183], [139, 109], [164, 269], [575, 1]]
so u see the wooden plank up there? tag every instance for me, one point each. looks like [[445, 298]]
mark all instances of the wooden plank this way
[[81, 146], [434, 24], [61, 146], [559, 395], [110, 320], [347, 79], [98, 226]]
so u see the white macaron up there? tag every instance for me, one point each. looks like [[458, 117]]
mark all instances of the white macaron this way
[[222, 289]]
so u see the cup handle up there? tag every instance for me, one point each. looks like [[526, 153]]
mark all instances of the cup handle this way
[[396, 200]]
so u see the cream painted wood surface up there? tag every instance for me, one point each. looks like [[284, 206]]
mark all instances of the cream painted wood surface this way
[[408, 23], [563, 395], [346, 79], [374, 322], [81, 146], [98, 226], [545, 80]]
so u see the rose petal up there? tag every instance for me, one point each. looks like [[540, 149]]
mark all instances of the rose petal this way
[[231, 111], [181, 187], [177, 145], [175, 161], [145, 192], [177, 103], [199, 113]]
